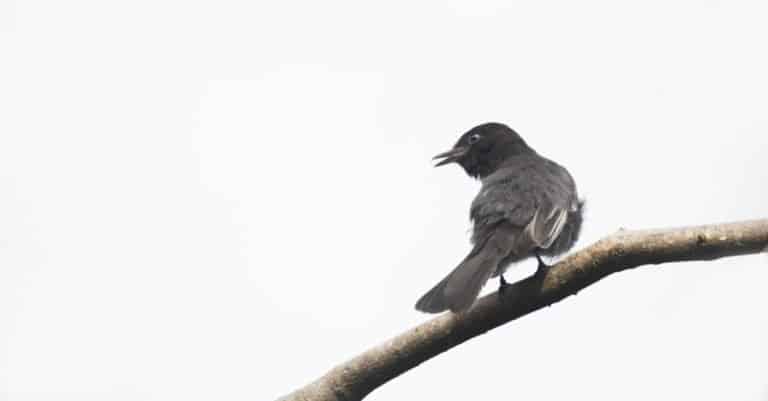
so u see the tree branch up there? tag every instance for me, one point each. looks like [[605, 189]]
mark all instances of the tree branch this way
[[356, 378]]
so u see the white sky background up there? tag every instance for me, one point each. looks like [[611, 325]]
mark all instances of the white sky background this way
[[222, 200]]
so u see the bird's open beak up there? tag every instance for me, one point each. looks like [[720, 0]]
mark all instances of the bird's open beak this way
[[451, 156]]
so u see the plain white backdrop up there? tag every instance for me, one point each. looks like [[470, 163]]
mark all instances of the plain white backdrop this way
[[222, 200]]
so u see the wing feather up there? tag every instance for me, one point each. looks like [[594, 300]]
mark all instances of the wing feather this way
[[532, 196]]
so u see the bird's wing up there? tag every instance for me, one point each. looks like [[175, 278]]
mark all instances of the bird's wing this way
[[535, 198], [546, 225]]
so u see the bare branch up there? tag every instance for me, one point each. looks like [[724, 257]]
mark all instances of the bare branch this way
[[356, 378]]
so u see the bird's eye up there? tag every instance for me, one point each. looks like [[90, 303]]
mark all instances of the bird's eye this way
[[474, 138]]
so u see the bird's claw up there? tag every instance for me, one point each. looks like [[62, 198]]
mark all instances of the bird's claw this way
[[503, 285], [542, 268]]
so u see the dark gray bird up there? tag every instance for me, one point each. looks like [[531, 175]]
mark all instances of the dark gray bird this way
[[527, 206]]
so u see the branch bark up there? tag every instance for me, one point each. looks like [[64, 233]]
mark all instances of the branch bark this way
[[356, 378]]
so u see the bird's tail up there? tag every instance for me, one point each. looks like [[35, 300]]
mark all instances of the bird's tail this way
[[458, 290]]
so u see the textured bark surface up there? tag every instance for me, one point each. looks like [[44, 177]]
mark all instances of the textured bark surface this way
[[354, 379]]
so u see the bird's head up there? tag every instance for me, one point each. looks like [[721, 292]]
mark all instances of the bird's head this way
[[483, 149]]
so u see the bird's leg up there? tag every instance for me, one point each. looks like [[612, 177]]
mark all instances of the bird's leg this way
[[503, 285], [543, 267]]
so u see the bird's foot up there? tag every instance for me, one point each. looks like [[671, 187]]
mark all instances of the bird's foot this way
[[543, 268], [503, 285]]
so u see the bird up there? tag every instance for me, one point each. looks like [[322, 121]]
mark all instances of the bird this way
[[527, 206]]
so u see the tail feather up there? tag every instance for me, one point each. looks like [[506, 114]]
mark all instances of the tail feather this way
[[460, 288], [434, 301]]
